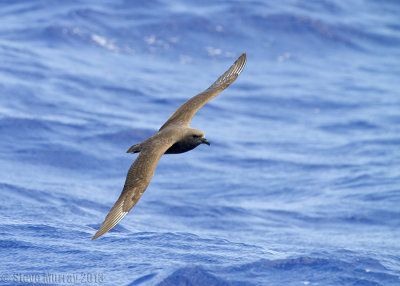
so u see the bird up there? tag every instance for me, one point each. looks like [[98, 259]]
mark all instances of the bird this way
[[175, 136]]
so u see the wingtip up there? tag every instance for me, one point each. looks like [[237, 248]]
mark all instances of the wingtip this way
[[111, 220], [240, 63], [243, 57], [96, 235]]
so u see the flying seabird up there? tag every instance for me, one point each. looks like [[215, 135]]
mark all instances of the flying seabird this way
[[175, 136]]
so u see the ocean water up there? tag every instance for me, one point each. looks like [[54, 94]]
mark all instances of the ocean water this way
[[301, 183]]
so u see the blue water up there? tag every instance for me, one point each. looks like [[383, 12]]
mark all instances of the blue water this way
[[301, 183]]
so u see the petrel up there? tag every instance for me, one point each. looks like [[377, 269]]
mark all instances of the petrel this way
[[174, 137]]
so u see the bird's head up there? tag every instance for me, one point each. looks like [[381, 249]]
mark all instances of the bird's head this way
[[197, 137]]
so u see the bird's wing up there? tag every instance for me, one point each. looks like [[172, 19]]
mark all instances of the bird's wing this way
[[137, 180], [186, 111]]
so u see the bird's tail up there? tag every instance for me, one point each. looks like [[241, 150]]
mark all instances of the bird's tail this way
[[134, 149]]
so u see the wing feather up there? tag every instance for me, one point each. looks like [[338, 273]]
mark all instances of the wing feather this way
[[186, 111], [137, 180]]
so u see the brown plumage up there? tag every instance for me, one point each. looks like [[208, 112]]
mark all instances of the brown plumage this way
[[175, 136]]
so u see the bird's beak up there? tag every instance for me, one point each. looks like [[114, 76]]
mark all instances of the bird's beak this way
[[205, 141]]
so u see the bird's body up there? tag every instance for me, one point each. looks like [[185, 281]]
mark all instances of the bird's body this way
[[174, 137]]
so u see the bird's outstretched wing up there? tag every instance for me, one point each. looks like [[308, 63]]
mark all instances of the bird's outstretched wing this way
[[137, 180], [186, 111]]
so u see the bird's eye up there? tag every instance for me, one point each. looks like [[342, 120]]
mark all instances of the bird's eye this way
[[195, 136]]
